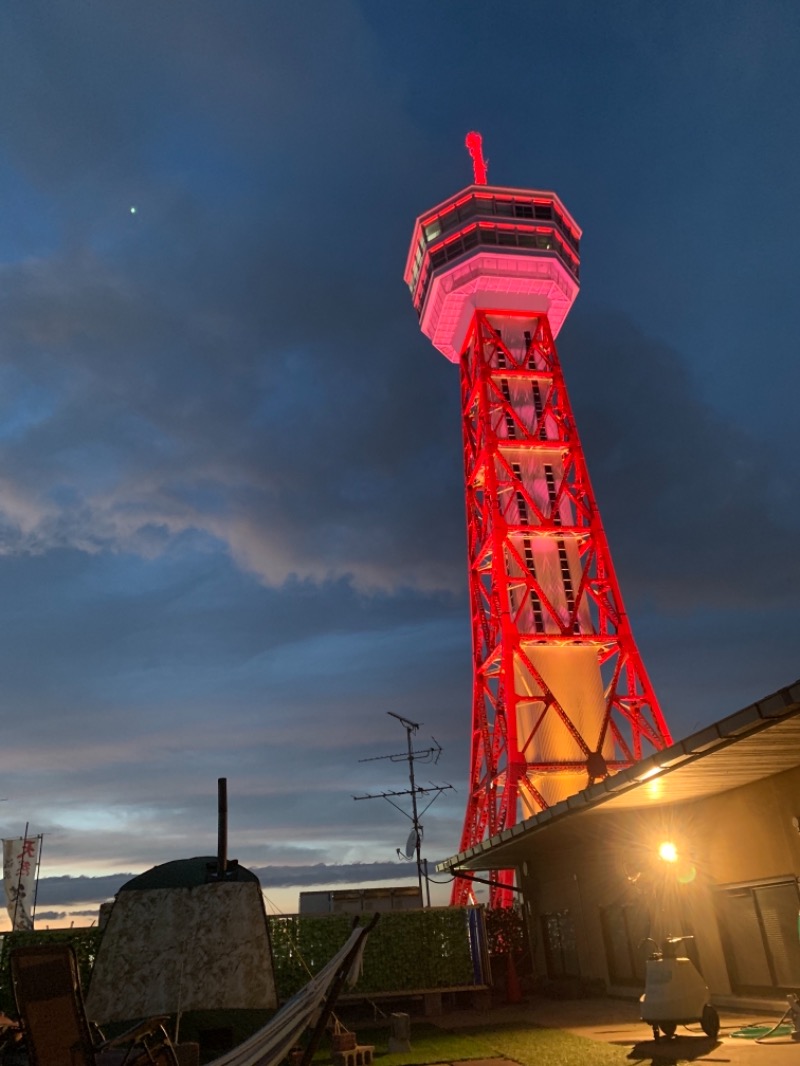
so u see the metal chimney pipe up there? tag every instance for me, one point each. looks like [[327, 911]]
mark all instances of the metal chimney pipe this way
[[222, 826]]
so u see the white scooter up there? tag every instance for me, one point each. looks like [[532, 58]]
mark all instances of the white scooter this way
[[674, 992]]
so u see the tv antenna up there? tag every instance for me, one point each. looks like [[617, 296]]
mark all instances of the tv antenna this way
[[411, 755]]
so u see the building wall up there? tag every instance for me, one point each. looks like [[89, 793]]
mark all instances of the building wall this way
[[602, 867]]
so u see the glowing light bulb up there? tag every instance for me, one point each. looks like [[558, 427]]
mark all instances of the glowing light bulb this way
[[668, 852]]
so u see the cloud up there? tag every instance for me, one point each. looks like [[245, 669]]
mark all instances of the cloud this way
[[185, 388], [73, 891], [133, 454], [699, 509]]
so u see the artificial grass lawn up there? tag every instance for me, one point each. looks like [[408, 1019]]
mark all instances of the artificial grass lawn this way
[[525, 1044]]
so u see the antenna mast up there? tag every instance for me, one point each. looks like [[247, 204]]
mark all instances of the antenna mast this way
[[412, 755], [480, 166]]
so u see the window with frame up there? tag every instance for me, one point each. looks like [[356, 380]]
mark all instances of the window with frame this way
[[759, 930], [625, 926], [560, 947]]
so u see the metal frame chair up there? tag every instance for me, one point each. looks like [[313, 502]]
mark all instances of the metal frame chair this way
[[49, 998]]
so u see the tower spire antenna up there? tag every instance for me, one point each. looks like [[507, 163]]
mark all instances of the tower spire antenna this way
[[480, 166]]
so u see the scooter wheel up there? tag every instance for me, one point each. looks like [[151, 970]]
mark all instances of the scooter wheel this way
[[668, 1028], [709, 1021]]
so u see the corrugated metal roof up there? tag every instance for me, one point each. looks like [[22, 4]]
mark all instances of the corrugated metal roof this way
[[756, 742]]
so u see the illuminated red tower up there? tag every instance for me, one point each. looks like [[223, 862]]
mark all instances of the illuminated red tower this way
[[560, 694]]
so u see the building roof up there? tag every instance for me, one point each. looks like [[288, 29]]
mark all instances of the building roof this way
[[184, 873], [756, 742]]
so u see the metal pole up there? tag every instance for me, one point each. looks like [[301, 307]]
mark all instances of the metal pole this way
[[40, 838], [222, 827], [415, 816], [19, 879]]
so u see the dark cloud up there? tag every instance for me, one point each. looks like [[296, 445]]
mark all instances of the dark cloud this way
[[699, 507], [52, 916], [72, 891]]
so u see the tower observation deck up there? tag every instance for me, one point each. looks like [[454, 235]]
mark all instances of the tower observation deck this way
[[560, 697]]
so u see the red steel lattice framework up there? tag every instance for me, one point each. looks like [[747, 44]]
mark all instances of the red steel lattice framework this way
[[541, 578], [561, 697]]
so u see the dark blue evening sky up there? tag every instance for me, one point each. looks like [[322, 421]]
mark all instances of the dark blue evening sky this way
[[231, 512]]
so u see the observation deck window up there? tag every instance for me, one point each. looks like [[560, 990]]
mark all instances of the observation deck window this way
[[540, 226], [469, 209], [471, 238], [504, 207], [485, 234]]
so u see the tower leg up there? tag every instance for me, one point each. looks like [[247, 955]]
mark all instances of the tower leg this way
[[560, 694]]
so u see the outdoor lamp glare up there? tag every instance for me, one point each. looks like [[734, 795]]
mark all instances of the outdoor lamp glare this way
[[668, 852]]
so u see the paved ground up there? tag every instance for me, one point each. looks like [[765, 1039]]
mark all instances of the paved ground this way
[[616, 1021]]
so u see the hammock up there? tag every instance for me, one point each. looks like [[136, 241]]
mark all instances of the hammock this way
[[271, 1044]]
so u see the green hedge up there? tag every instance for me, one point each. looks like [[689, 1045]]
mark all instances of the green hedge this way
[[85, 942], [407, 951]]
